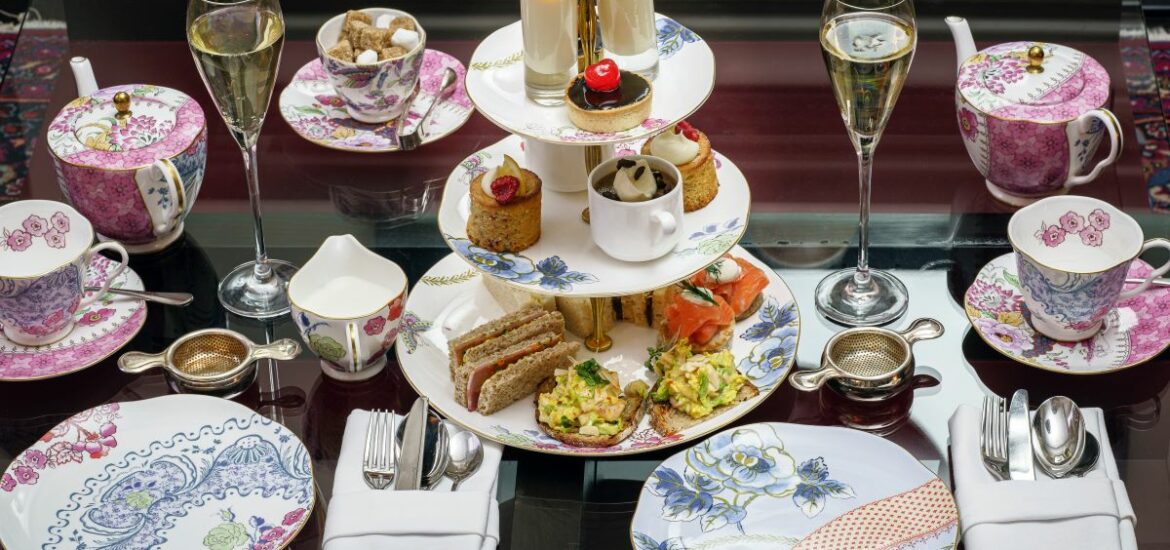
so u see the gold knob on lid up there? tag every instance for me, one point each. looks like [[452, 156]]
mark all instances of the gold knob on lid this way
[[122, 104], [1035, 59]]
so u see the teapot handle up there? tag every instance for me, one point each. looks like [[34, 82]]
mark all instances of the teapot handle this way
[[162, 192], [1114, 129]]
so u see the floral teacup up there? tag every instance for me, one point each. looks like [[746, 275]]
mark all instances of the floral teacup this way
[[1072, 257], [44, 251], [347, 303], [374, 92]]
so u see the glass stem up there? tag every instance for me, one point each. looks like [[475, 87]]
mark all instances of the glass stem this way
[[262, 270], [865, 184]]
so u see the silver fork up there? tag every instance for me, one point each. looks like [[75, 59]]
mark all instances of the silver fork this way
[[993, 436], [380, 454]]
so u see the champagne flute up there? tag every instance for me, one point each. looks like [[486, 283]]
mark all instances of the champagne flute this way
[[236, 45], [867, 46]]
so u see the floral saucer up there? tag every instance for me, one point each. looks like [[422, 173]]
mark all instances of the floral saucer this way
[[1137, 330], [495, 83], [565, 262], [317, 113], [452, 299], [180, 471], [100, 330], [788, 486]]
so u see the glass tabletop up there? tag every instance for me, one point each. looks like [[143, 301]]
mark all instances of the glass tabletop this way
[[772, 113]]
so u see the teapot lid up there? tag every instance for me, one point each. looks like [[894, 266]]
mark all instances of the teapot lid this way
[[125, 127], [1033, 81]]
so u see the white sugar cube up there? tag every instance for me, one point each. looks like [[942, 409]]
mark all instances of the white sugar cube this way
[[367, 57], [383, 21], [405, 38]]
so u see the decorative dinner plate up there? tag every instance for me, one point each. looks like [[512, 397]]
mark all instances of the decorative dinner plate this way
[[565, 262], [451, 299], [495, 83], [99, 330], [318, 114], [781, 486], [1137, 330], [181, 471]]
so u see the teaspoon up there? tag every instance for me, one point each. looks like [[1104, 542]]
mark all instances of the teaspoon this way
[[466, 453], [1058, 436], [168, 298]]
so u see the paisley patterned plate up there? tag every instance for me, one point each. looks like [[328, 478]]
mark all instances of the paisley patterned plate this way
[[317, 114], [565, 262], [100, 330], [781, 486], [495, 83], [181, 471], [1137, 330], [452, 299]]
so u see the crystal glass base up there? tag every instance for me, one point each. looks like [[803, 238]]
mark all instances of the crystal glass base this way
[[243, 294], [882, 300]]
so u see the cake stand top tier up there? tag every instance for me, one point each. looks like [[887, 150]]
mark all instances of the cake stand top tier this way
[[495, 83]]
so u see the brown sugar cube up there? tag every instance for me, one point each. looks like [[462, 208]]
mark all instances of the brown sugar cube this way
[[343, 51], [351, 29], [391, 53], [354, 15], [402, 22], [371, 38]]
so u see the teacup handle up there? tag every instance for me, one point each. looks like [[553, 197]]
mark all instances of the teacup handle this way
[[923, 329], [666, 223], [355, 348], [811, 379], [1114, 129], [162, 191], [135, 362], [282, 350], [1152, 243], [89, 254]]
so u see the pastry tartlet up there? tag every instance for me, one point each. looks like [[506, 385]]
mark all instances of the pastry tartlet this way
[[505, 208], [689, 149], [604, 99]]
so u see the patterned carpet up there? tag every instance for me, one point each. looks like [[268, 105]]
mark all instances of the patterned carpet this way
[[32, 64]]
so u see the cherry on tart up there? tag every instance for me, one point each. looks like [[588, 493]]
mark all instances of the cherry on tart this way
[[606, 99]]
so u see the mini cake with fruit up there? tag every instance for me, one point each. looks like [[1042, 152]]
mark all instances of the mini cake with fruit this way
[[606, 99], [689, 149], [505, 208]]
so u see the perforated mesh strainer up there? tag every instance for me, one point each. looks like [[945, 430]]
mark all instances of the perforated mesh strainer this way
[[868, 358], [210, 360]]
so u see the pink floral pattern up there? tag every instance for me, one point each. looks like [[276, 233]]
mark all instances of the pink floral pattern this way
[[88, 434], [968, 124], [1027, 158], [1072, 223], [19, 240], [315, 112], [375, 326], [1120, 344], [88, 343], [1072, 83]]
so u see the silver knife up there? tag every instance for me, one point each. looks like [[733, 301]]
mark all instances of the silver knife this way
[[408, 474], [1020, 438]]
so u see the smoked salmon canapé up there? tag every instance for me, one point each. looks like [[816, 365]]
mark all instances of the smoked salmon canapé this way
[[698, 315], [737, 281]]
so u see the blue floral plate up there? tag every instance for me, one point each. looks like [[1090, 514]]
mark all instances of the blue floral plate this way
[[565, 262], [452, 299], [787, 486], [181, 471]]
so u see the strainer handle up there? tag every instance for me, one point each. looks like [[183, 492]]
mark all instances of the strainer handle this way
[[281, 350], [811, 379], [923, 329], [135, 362]]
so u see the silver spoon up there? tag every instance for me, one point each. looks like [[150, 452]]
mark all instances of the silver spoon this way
[[168, 298], [466, 453], [1058, 436], [410, 137], [1088, 459], [1154, 282]]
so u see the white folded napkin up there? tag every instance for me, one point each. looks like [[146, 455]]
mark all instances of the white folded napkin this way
[[1091, 513], [361, 518]]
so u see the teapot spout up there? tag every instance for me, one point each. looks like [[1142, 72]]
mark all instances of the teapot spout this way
[[83, 75], [964, 42]]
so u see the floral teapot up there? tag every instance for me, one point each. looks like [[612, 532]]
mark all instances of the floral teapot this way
[[1032, 115], [130, 158]]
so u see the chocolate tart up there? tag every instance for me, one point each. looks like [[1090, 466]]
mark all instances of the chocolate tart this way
[[605, 112]]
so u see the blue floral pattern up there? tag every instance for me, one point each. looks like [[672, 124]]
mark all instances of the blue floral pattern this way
[[672, 36], [776, 334], [550, 273], [132, 504], [1076, 301], [713, 238], [729, 471]]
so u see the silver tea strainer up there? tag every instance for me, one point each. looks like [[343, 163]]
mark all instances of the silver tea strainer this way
[[213, 360], [868, 358]]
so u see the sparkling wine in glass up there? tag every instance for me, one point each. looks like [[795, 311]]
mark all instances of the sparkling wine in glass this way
[[867, 46], [236, 45]]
